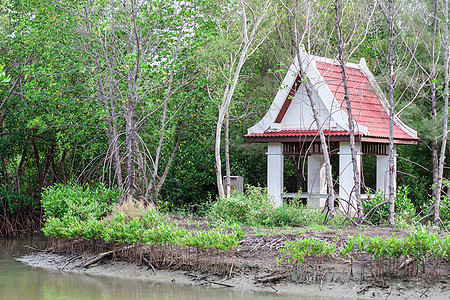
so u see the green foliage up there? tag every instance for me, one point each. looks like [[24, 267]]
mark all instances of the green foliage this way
[[444, 208], [251, 208], [11, 201], [404, 209], [88, 202], [420, 245], [297, 251], [3, 78], [348, 247], [444, 211], [77, 213], [149, 230], [254, 208], [295, 216]]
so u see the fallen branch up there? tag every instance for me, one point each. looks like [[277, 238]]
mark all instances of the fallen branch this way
[[222, 284], [276, 276], [34, 248], [97, 258], [149, 264], [106, 254], [68, 262]]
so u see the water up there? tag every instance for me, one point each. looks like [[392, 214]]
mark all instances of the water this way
[[21, 282]]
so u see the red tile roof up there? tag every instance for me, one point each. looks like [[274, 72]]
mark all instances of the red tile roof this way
[[366, 107], [298, 133]]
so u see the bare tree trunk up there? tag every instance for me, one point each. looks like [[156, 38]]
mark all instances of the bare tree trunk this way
[[169, 163], [38, 164], [223, 109], [437, 200], [434, 146], [323, 142], [154, 182], [106, 99], [351, 122], [131, 154], [391, 162], [19, 169], [133, 48], [112, 107], [227, 156], [48, 159], [2, 158]]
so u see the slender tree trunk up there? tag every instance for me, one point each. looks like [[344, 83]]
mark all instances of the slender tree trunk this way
[[108, 99], [227, 156], [323, 142], [131, 152], [391, 161], [134, 48], [2, 159], [169, 163], [435, 143], [38, 164], [48, 159], [19, 169], [154, 182], [351, 122], [228, 94], [437, 200], [222, 111], [112, 107]]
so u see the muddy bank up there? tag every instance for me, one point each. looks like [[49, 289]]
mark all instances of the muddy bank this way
[[255, 270]]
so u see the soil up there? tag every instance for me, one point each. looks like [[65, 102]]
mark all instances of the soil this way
[[255, 268]]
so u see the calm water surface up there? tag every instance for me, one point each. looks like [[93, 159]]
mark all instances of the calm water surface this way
[[18, 281]]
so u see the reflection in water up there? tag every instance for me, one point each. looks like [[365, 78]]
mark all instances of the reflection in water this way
[[18, 281]]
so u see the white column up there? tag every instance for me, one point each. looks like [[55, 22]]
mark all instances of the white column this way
[[346, 183], [383, 173], [317, 183], [275, 172]]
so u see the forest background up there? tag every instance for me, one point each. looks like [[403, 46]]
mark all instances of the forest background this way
[[138, 94]]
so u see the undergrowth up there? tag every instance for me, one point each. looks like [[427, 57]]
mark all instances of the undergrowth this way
[[132, 226], [254, 208], [405, 211]]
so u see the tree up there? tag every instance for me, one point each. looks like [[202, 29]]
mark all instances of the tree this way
[[342, 43], [399, 59], [137, 54], [309, 90], [437, 199], [248, 41]]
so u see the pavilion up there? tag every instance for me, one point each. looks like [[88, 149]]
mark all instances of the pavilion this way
[[289, 128]]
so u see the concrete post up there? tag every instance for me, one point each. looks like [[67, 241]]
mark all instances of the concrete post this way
[[346, 193], [317, 183], [275, 172], [383, 173]]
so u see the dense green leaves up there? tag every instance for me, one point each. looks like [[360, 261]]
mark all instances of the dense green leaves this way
[[83, 203]]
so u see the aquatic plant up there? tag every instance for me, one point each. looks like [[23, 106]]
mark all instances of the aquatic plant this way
[[417, 255], [148, 237]]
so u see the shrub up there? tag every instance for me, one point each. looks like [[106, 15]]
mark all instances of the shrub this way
[[251, 208], [82, 202], [254, 208], [404, 209], [11, 201], [295, 216]]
